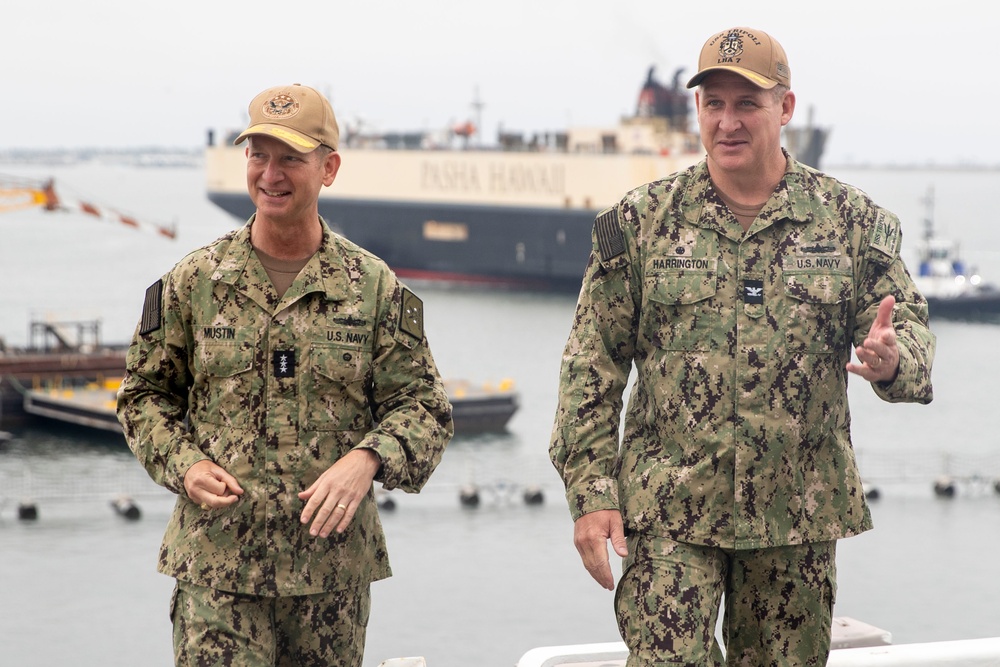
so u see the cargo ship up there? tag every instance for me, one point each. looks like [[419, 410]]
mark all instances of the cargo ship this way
[[440, 206]]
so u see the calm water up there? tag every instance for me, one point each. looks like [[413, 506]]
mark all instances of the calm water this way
[[471, 587]]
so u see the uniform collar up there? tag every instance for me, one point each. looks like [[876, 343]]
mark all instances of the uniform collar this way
[[324, 272], [703, 208]]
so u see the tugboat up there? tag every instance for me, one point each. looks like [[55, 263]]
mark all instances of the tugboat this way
[[952, 289]]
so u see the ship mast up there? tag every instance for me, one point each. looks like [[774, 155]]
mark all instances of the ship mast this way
[[477, 107], [928, 201]]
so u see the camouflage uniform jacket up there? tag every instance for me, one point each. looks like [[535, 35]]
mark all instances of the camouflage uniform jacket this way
[[275, 392], [737, 432]]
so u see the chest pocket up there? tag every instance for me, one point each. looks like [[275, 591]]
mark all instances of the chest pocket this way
[[818, 308], [223, 382], [334, 392], [682, 314]]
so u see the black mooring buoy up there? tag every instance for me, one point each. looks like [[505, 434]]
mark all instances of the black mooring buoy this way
[[126, 507], [533, 496], [944, 487], [469, 496], [27, 510], [871, 492]]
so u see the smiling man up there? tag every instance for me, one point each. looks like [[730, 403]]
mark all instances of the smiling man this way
[[274, 375], [738, 289]]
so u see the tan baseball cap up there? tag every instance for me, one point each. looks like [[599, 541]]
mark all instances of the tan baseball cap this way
[[298, 115], [753, 54]]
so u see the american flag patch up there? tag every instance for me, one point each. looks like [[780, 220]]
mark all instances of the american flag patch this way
[[152, 308], [610, 238]]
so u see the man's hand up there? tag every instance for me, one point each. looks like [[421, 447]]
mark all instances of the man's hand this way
[[335, 496], [210, 486], [879, 354], [590, 535]]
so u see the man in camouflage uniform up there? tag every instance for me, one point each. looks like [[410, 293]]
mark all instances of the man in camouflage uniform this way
[[737, 288], [274, 375]]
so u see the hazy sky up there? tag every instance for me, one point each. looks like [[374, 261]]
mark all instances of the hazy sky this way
[[897, 81]]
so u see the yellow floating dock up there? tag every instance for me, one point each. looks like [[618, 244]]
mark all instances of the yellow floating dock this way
[[477, 409], [91, 405]]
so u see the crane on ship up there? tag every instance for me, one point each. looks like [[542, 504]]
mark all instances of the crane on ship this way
[[19, 194]]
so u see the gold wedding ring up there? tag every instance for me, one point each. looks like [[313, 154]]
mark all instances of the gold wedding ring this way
[[878, 362], [204, 506], [342, 506]]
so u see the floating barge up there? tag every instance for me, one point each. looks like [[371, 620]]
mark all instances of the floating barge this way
[[76, 382], [484, 409], [92, 406], [68, 355], [475, 409]]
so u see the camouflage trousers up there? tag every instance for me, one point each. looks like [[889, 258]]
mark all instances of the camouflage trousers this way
[[778, 604], [215, 628]]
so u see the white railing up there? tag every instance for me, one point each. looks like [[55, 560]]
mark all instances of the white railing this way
[[964, 653], [854, 643], [610, 654]]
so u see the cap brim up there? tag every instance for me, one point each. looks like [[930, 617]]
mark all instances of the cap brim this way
[[291, 138], [752, 77]]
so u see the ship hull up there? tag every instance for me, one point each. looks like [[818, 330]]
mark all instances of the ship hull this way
[[526, 248], [519, 219], [973, 308]]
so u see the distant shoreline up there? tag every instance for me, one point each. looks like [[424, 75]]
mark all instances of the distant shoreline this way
[[859, 166], [158, 156]]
